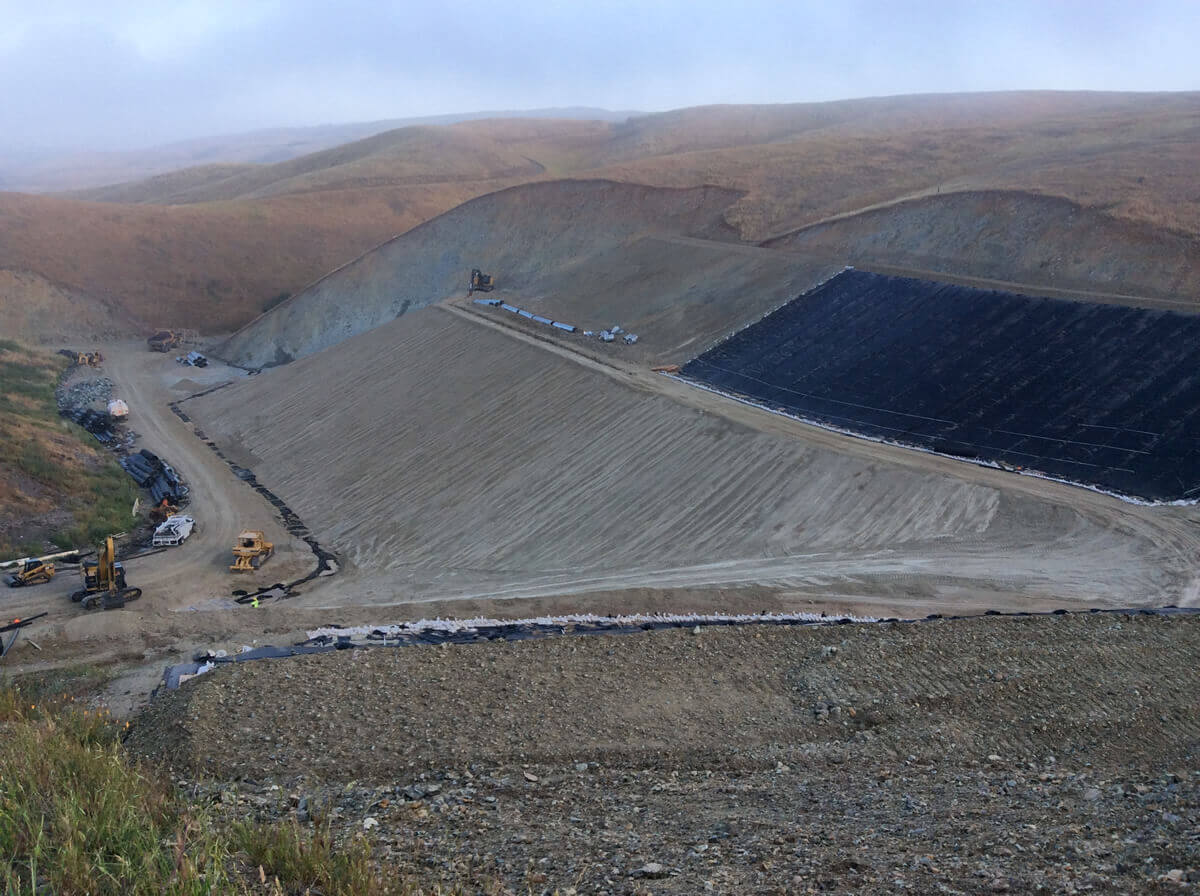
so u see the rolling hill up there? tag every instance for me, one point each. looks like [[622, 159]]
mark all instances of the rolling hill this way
[[211, 247]]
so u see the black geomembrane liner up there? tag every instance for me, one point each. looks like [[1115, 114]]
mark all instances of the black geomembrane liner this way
[[1100, 395]]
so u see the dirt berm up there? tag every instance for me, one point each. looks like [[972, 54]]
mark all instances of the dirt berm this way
[[520, 235]]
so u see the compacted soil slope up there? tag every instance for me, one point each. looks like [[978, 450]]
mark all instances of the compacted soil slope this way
[[1013, 235], [443, 458]]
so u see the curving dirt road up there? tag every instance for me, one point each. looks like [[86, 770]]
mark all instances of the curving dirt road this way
[[186, 589]]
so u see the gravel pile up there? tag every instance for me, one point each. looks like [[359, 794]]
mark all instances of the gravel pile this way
[[985, 755], [83, 394]]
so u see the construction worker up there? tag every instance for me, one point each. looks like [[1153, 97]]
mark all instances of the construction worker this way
[[254, 601]]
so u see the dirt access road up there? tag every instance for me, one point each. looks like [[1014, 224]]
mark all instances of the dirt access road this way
[[187, 596]]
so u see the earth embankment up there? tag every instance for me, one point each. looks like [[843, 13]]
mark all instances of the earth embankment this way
[[1013, 236], [521, 235], [444, 459]]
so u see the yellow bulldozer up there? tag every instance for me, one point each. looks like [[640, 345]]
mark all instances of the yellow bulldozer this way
[[104, 581], [481, 282], [31, 572], [250, 551]]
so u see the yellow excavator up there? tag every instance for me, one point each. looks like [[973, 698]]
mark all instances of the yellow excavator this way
[[250, 551], [481, 282], [104, 581], [31, 572]]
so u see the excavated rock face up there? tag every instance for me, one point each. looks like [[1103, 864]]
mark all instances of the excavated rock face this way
[[520, 236], [1013, 236]]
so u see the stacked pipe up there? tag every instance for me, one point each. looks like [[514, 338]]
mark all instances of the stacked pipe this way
[[148, 471], [98, 423]]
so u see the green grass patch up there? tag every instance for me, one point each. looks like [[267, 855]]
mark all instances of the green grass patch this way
[[25, 374], [78, 815], [72, 472]]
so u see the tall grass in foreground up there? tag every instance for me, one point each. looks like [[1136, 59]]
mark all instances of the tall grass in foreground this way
[[78, 816]]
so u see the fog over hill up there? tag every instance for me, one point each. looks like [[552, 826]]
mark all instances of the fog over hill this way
[[71, 169], [213, 246]]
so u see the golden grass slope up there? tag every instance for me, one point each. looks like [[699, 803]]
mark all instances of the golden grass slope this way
[[249, 235], [212, 266]]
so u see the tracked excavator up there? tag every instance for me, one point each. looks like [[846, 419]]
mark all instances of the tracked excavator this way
[[31, 572], [481, 282], [104, 581]]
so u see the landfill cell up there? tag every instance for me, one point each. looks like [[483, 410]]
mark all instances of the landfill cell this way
[[1099, 395]]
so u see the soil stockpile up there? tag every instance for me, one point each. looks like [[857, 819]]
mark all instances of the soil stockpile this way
[[983, 755], [440, 458]]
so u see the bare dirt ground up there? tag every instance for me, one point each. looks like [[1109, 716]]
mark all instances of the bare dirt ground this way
[[984, 755], [1012, 235], [571, 480], [1056, 754], [511, 467], [187, 589]]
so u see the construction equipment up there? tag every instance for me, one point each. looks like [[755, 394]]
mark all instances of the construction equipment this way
[[481, 282], [83, 359], [104, 581], [161, 511], [31, 572], [172, 531], [250, 551], [163, 341]]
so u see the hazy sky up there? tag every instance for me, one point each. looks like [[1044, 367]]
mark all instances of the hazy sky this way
[[127, 73]]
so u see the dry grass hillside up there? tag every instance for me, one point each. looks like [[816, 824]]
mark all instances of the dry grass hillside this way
[[211, 247], [416, 155], [56, 485], [212, 266]]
